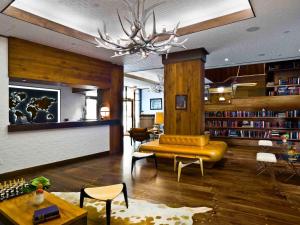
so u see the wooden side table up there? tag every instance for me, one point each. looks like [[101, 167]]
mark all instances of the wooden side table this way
[[186, 161], [19, 211]]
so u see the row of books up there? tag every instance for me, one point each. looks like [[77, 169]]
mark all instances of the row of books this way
[[290, 80], [251, 124], [285, 91], [262, 113], [294, 135], [240, 133]]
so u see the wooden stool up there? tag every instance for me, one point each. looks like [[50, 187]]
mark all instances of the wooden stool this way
[[191, 160], [140, 155], [105, 193]]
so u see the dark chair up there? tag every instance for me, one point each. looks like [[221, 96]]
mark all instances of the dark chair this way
[[139, 134], [106, 194]]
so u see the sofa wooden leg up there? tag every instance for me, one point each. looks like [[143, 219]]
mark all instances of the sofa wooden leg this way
[[179, 171], [201, 166]]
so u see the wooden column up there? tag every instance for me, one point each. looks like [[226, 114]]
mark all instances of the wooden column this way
[[113, 98], [184, 75]]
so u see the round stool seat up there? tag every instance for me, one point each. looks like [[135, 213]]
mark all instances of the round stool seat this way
[[104, 193], [142, 154], [266, 157]]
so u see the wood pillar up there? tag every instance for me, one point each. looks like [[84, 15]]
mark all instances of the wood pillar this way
[[113, 98], [184, 75]]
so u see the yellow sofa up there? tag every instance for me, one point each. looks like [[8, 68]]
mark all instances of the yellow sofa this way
[[169, 146]]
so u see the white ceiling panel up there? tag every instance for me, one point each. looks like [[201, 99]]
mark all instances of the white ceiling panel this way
[[86, 15]]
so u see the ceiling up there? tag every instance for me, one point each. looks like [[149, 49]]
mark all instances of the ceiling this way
[[276, 39]]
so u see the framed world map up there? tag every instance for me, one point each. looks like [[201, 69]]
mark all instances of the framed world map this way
[[33, 105]]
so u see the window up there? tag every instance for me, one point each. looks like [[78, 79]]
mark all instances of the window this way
[[91, 105]]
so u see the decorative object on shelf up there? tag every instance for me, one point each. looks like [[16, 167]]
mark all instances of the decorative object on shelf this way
[[13, 188], [181, 102], [156, 104], [137, 40], [104, 112]]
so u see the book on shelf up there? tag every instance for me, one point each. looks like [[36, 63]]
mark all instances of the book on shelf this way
[[261, 113]]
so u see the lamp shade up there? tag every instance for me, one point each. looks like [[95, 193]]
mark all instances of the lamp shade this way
[[159, 118], [104, 111]]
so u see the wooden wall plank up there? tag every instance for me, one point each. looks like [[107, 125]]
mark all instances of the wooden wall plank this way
[[184, 78], [288, 102], [33, 61]]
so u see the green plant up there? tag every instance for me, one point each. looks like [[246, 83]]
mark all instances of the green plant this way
[[40, 180]]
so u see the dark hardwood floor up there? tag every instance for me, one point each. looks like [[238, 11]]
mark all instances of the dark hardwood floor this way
[[231, 188]]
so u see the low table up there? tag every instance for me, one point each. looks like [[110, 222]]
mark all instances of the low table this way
[[293, 161], [19, 211], [186, 161]]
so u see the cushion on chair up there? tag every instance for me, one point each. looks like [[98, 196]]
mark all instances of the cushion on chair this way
[[141, 154], [104, 193], [266, 157]]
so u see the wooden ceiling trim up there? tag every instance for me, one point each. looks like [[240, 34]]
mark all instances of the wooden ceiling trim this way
[[48, 24], [197, 27], [217, 22]]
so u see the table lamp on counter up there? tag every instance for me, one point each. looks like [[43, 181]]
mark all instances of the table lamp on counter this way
[[104, 113], [159, 120]]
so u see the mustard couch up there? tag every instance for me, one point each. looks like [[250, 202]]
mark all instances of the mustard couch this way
[[169, 146]]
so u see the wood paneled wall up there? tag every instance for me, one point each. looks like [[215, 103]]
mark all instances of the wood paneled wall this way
[[184, 76], [28, 60], [31, 61], [257, 103], [113, 98]]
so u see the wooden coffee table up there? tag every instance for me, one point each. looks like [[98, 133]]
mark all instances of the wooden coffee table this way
[[19, 211]]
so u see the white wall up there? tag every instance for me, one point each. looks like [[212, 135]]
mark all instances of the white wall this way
[[146, 96], [22, 150], [71, 103]]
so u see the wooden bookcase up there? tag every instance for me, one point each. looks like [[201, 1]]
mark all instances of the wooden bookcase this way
[[243, 122], [283, 78]]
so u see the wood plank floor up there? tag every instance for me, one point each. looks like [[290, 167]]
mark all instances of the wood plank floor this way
[[231, 188]]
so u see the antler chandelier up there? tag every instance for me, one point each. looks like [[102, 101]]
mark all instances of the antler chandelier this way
[[137, 40]]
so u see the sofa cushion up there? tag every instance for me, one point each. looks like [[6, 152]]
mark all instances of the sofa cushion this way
[[187, 140], [213, 151]]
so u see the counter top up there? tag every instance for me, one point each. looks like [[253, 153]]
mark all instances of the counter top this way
[[47, 126]]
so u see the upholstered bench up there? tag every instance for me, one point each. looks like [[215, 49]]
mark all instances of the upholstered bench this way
[[196, 146]]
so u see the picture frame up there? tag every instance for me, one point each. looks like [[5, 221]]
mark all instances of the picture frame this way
[[156, 104], [181, 102]]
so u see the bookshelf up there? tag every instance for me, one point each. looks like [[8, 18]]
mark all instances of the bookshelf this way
[[254, 125], [283, 78]]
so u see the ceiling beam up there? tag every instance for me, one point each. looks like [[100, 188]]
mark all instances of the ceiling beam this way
[[197, 27]]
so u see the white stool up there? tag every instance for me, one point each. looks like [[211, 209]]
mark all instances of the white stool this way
[[141, 155], [186, 161], [264, 159]]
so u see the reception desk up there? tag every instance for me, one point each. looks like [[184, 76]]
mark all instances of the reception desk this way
[[62, 125]]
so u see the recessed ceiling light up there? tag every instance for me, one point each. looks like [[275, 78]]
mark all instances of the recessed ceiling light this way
[[252, 29], [226, 59], [299, 50]]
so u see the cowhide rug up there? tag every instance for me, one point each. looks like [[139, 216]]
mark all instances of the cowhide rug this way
[[140, 212]]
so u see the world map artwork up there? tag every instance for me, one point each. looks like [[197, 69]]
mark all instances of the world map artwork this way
[[28, 105]]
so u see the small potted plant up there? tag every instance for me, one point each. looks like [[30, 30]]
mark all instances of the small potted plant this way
[[39, 184]]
